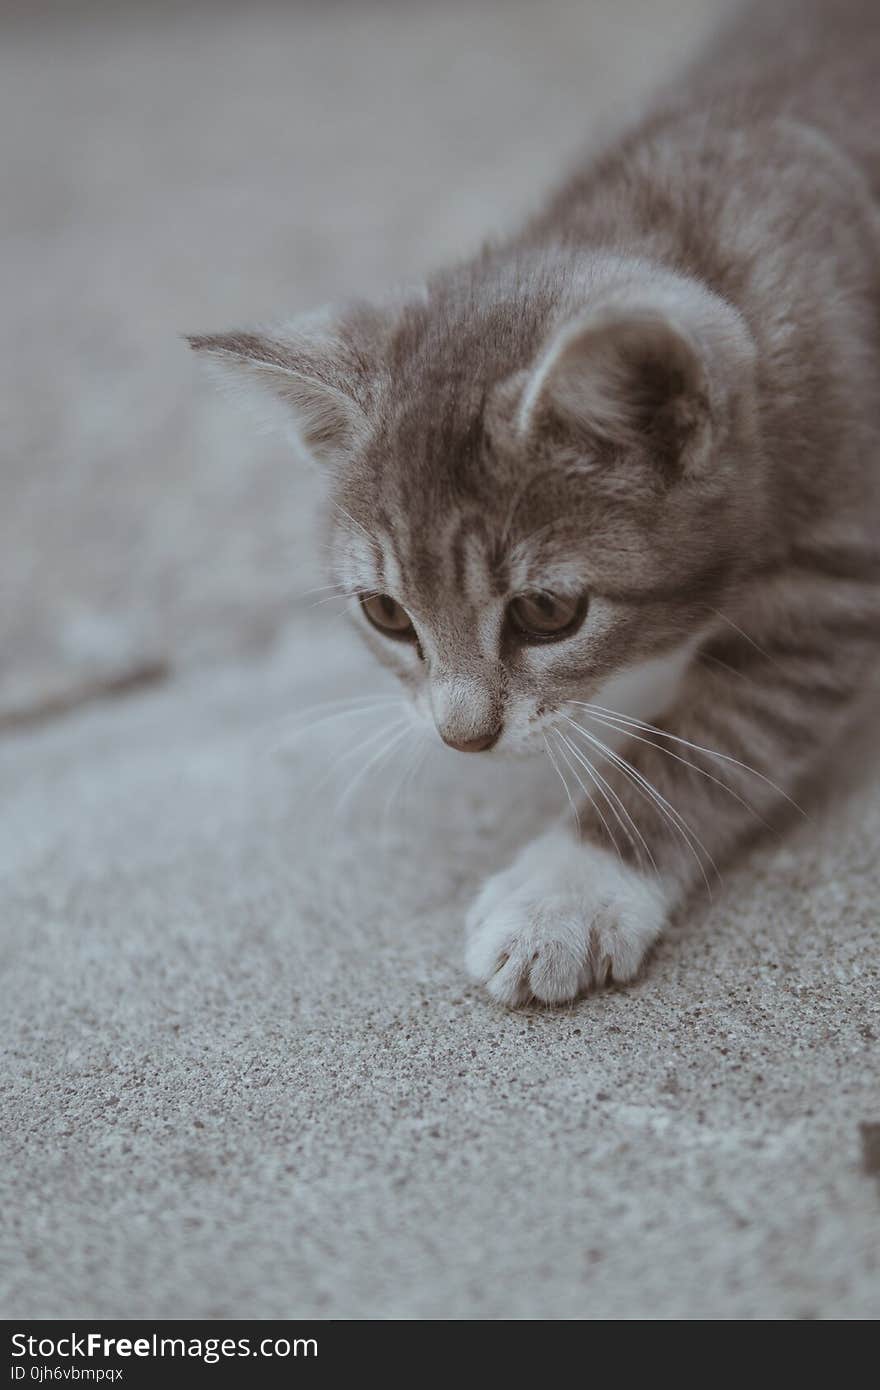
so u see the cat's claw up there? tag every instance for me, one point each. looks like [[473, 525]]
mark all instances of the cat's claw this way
[[565, 917]]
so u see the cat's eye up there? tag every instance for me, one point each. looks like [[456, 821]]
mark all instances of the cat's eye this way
[[390, 617], [543, 617]]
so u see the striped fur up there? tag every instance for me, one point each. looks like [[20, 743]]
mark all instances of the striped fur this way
[[663, 393]]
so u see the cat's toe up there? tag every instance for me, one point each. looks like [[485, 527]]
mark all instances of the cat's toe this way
[[524, 950], [559, 968], [618, 945], [492, 957], [550, 936], [508, 984]]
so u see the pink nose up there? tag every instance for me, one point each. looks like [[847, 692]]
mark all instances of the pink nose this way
[[473, 745]]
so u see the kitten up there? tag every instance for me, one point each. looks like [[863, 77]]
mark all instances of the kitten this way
[[625, 464]]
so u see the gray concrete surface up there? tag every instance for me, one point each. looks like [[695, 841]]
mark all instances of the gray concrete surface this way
[[243, 1073]]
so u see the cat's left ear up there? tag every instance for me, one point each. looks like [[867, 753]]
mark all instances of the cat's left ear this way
[[306, 377], [639, 378]]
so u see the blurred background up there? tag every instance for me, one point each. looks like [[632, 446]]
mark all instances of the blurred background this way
[[172, 167]]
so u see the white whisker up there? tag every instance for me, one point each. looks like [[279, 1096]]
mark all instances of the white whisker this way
[[626, 719], [393, 742], [724, 666], [343, 594], [359, 747], [554, 764], [609, 793], [343, 700], [744, 635], [398, 788], [347, 595], [563, 746], [353, 521], [295, 725], [319, 589], [667, 809], [609, 723]]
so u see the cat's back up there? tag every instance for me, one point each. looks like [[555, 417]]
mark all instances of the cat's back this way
[[813, 61], [769, 140]]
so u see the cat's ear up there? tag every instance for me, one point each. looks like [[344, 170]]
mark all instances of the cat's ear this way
[[629, 377], [306, 378]]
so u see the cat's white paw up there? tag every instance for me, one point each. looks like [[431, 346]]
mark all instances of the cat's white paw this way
[[565, 916]]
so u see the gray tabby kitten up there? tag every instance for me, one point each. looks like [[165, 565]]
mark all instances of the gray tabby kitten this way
[[621, 467]]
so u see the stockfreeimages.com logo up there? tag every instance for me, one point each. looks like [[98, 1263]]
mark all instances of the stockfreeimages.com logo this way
[[93, 1345]]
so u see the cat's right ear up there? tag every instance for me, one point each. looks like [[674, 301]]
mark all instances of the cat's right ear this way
[[664, 375], [304, 378]]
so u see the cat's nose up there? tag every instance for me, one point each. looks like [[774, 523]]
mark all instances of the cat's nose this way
[[473, 745], [466, 712]]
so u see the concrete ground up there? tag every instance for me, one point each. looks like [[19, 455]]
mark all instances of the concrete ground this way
[[243, 1073]]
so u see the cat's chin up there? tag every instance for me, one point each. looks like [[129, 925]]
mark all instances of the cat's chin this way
[[499, 756], [518, 753]]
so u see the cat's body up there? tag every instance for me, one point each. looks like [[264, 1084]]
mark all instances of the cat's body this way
[[639, 440]]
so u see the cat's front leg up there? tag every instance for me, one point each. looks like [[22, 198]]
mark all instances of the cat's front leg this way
[[567, 914], [754, 718]]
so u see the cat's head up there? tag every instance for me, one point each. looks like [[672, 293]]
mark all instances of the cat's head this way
[[540, 481]]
